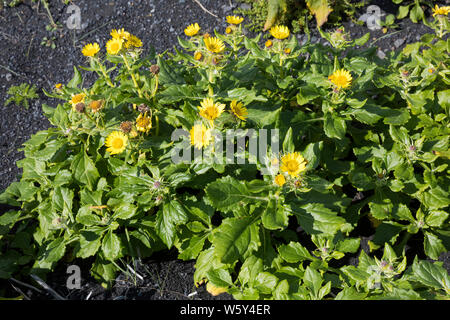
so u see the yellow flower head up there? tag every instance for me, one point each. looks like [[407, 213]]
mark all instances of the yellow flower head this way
[[234, 19], [210, 110], [287, 50], [116, 142], [133, 41], [341, 78], [96, 105], [279, 32], [441, 11], [200, 136], [268, 43], [114, 46], [192, 29], [77, 98], [214, 44], [293, 163], [58, 86], [120, 34], [90, 49], [144, 123], [228, 30], [280, 180], [239, 110], [198, 55]]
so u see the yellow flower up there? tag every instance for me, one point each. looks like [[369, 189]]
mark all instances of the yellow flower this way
[[90, 49], [228, 30], [198, 55], [120, 34], [293, 163], [214, 45], [116, 142], [341, 78], [210, 110], [144, 123], [96, 105], [114, 46], [77, 98], [279, 32], [280, 180], [239, 110], [287, 50], [58, 86], [268, 43], [234, 19], [200, 136], [133, 41], [441, 11], [192, 29]]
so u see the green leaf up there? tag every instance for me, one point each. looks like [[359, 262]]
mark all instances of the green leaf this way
[[436, 218], [433, 246], [226, 192], [312, 154], [266, 282], [402, 12], [294, 252], [167, 218], [350, 293], [84, 170], [76, 80], [244, 95], [250, 269], [274, 216], [54, 251], [416, 13], [232, 238], [436, 198], [111, 246], [90, 242], [219, 278], [334, 126], [288, 142], [316, 218], [431, 274], [306, 94]]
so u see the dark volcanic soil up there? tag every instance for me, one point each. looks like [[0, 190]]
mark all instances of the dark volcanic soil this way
[[24, 58]]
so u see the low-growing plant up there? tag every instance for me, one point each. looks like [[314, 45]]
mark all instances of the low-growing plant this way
[[319, 140], [21, 95], [264, 14]]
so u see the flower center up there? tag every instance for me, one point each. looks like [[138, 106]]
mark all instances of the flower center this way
[[117, 143], [292, 165]]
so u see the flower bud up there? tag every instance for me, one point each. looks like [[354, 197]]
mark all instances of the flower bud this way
[[126, 126], [79, 107], [154, 69], [143, 108]]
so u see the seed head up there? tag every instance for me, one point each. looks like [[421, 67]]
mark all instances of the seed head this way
[[154, 69], [143, 108], [126, 126], [79, 107]]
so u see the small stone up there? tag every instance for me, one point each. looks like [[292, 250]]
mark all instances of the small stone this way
[[399, 42], [8, 76], [246, 6], [381, 54]]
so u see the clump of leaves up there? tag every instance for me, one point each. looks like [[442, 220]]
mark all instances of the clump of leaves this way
[[21, 94], [135, 164], [264, 14]]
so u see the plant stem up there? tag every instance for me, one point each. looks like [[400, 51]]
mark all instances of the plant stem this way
[[125, 60], [102, 68]]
